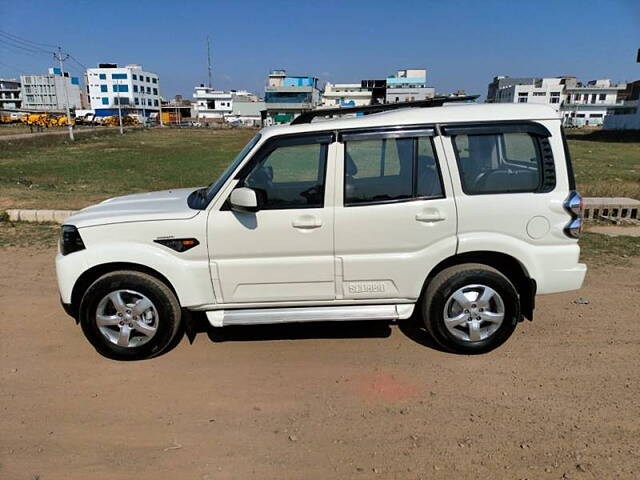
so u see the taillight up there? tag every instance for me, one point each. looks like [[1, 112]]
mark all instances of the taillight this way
[[574, 205]]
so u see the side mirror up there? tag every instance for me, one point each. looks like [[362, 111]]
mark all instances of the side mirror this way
[[244, 199]]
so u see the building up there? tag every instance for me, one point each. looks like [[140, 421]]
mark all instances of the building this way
[[10, 94], [247, 113], [537, 90], [345, 95], [238, 107], [212, 105], [588, 104], [177, 110], [135, 90], [378, 89], [408, 85], [288, 96], [579, 104], [51, 92], [502, 82], [627, 117]]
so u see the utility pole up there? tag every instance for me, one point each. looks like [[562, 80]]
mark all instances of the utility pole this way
[[61, 58], [209, 59], [117, 85]]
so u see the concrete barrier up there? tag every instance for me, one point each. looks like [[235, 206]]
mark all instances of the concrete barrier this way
[[39, 216], [611, 208], [596, 208]]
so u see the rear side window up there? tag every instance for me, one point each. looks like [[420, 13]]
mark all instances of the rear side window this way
[[390, 169], [507, 162]]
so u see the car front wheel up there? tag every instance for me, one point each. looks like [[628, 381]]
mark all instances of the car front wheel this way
[[128, 315], [470, 308]]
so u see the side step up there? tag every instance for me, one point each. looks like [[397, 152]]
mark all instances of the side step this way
[[258, 316]]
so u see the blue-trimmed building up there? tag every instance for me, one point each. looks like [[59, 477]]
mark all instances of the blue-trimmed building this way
[[287, 96], [135, 90], [408, 85], [50, 93]]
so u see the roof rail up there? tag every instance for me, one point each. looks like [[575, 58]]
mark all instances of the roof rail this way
[[307, 117]]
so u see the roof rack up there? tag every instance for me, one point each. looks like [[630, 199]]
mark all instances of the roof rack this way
[[307, 117]]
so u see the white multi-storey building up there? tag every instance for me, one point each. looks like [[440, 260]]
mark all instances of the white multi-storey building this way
[[135, 90], [212, 104], [50, 93], [10, 94], [408, 85], [588, 104], [579, 104], [540, 90], [235, 106], [345, 95]]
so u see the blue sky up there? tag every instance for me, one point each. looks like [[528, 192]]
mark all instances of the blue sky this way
[[463, 44]]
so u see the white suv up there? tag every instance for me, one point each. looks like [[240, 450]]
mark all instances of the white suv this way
[[459, 213]]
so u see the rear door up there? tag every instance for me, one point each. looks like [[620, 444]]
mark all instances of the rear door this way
[[509, 191], [395, 217]]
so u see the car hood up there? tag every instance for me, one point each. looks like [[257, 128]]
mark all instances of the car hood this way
[[165, 205]]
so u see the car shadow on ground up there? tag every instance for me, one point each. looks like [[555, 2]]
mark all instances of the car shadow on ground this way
[[298, 331], [412, 329]]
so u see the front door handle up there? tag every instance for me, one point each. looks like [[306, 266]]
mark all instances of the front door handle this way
[[430, 216], [307, 222]]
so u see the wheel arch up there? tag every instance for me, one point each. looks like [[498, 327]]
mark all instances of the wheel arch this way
[[92, 274], [509, 266]]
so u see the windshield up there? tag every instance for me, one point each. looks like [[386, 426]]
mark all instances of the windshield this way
[[215, 186]]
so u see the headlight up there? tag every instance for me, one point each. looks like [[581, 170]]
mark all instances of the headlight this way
[[70, 240]]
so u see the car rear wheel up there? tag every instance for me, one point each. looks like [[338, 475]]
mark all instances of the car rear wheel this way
[[470, 308], [128, 315]]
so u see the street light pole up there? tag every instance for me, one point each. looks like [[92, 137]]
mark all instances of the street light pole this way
[[117, 85], [61, 58]]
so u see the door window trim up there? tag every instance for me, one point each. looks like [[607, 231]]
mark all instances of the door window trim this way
[[414, 132], [324, 139], [539, 135]]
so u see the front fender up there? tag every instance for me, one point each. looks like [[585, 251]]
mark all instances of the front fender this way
[[188, 274]]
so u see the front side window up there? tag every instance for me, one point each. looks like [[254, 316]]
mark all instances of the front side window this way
[[290, 177], [390, 169], [499, 163]]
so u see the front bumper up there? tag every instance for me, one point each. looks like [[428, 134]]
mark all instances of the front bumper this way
[[69, 310]]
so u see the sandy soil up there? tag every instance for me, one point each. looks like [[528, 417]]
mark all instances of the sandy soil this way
[[369, 400]]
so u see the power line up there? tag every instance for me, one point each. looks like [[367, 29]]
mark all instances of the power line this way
[[26, 40], [20, 44], [73, 59], [17, 46]]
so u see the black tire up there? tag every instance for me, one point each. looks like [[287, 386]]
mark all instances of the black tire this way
[[446, 283], [163, 299]]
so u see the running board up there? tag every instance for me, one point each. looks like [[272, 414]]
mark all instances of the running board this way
[[342, 313]]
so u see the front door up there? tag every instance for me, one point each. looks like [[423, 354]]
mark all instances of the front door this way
[[284, 251]]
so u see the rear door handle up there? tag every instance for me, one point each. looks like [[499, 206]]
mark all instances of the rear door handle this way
[[431, 216], [307, 222]]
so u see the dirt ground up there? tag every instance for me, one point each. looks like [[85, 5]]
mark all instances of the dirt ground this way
[[368, 400]]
